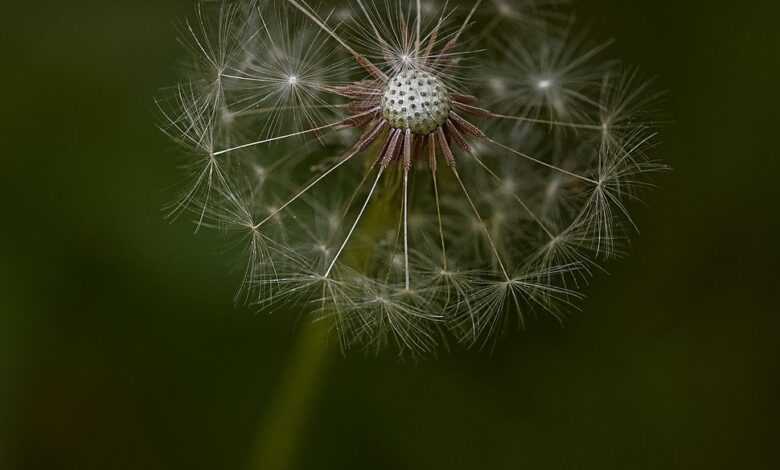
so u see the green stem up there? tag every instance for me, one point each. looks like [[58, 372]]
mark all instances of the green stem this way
[[278, 439]]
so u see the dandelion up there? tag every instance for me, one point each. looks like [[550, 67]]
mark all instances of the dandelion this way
[[405, 169]]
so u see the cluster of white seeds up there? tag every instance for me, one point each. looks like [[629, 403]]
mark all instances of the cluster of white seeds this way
[[411, 259], [416, 100]]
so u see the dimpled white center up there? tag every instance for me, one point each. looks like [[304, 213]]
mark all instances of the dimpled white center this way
[[416, 100]]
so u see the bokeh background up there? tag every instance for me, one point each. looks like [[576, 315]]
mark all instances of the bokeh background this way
[[120, 347]]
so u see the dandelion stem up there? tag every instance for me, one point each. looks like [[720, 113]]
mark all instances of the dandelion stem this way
[[493, 246], [407, 165], [294, 134], [360, 58], [277, 440], [515, 196], [198, 43], [305, 189], [573, 125], [275, 109], [419, 26], [545, 164], [547, 122], [371, 23], [357, 221], [466, 22], [406, 227], [434, 171], [431, 39]]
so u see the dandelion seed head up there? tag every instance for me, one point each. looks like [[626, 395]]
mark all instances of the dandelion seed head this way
[[416, 100], [412, 172]]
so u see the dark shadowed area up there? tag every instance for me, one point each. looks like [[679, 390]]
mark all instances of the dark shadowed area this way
[[120, 347]]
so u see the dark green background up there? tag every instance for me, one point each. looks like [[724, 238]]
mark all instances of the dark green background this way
[[120, 348]]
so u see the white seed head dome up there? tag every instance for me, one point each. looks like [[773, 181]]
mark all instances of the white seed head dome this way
[[416, 100]]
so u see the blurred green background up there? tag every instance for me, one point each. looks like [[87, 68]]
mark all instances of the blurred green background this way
[[120, 347]]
